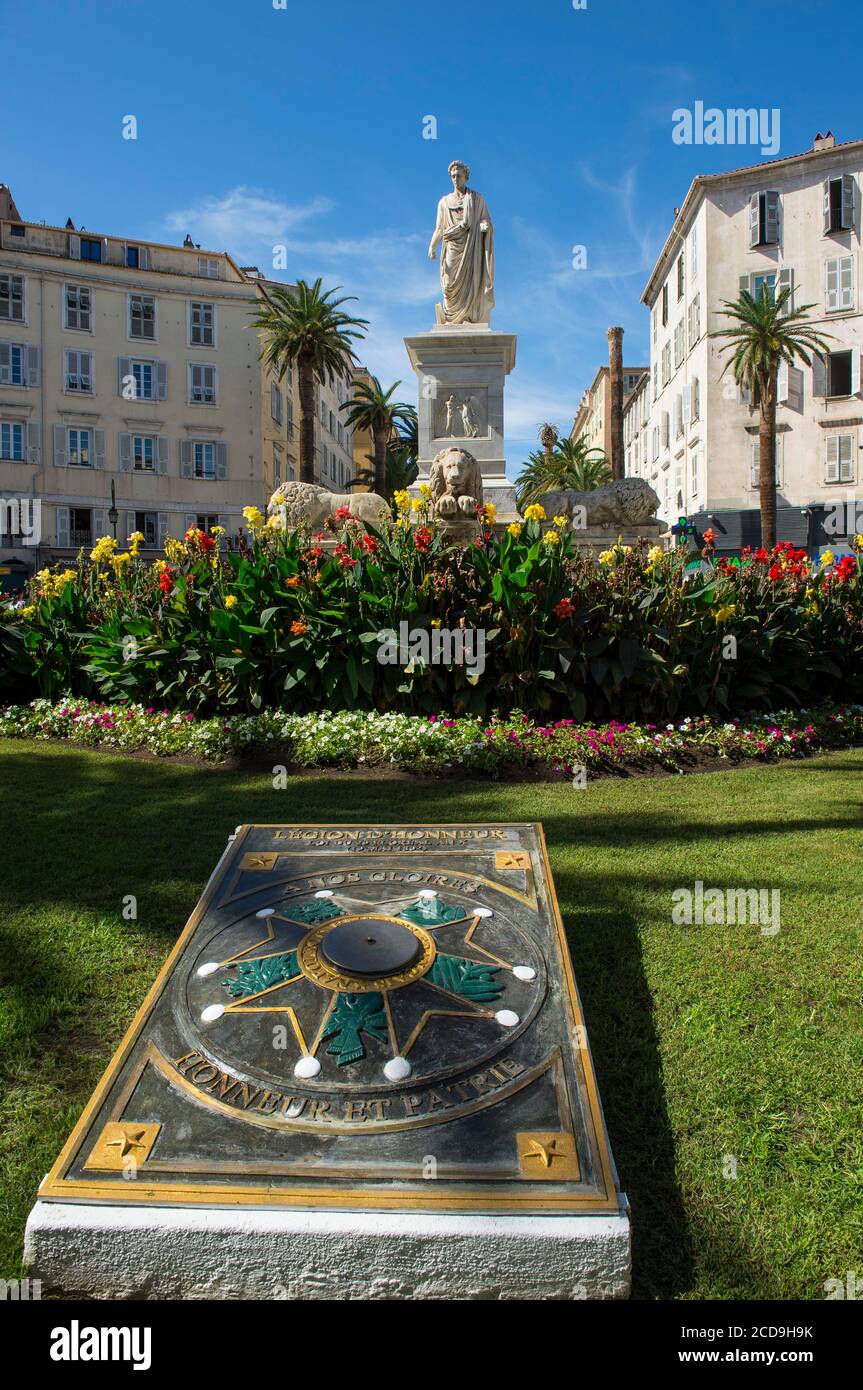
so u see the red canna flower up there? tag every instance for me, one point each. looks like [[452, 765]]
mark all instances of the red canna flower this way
[[422, 539], [370, 545], [166, 580], [564, 609], [298, 628]]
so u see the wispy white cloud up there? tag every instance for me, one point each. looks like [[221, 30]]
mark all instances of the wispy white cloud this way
[[244, 221]]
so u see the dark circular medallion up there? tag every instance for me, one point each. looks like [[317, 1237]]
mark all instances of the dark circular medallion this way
[[368, 946]]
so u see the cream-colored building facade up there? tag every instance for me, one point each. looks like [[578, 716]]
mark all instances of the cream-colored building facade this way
[[794, 221], [592, 422], [134, 364]]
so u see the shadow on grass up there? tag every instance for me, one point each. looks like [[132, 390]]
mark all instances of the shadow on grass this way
[[86, 830]]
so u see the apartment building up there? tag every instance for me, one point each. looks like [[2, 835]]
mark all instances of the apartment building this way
[[789, 222], [592, 422], [130, 371]]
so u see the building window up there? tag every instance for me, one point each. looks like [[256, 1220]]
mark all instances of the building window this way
[[276, 403], [839, 204], [12, 298], [664, 305], [764, 219], [693, 475], [681, 278], [80, 526], [79, 308], [204, 456], [839, 458], [839, 373], [148, 525], [679, 344], [142, 316], [206, 521], [17, 229], [695, 320], [208, 266], [142, 372], [12, 442], [78, 373], [839, 284], [666, 364], [78, 448], [143, 453], [91, 248], [202, 324], [202, 384], [19, 365]]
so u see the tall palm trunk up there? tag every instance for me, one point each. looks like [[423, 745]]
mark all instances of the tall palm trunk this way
[[307, 419], [767, 461], [615, 374], [381, 438]]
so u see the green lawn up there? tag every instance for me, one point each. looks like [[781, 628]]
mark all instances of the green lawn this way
[[708, 1041]]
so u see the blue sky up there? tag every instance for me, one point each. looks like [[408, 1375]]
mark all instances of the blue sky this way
[[304, 126]]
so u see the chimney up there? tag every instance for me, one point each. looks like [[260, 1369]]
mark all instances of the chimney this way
[[8, 209], [825, 141], [615, 373], [70, 225]]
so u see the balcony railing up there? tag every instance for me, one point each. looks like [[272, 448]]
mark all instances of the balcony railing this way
[[77, 538]]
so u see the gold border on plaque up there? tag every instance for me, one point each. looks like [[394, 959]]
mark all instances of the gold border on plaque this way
[[56, 1186], [311, 960]]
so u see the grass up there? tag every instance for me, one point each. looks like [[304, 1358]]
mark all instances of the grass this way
[[712, 1044]]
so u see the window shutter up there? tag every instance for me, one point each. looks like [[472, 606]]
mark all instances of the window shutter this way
[[5, 364], [100, 522], [62, 515], [825, 204], [687, 404], [665, 426], [846, 458], [696, 399], [745, 284], [129, 523], [831, 285], [753, 220], [33, 443], [846, 282], [190, 521], [745, 395], [161, 455], [771, 219], [143, 258], [99, 448], [32, 368], [855, 371], [75, 247], [60, 456], [819, 375], [678, 415], [163, 529], [782, 382], [786, 282], [754, 463], [161, 381], [125, 452], [221, 460], [225, 523], [831, 459], [124, 369], [186, 458], [848, 200]]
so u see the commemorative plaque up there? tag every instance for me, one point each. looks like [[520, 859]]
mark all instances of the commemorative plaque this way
[[372, 1018]]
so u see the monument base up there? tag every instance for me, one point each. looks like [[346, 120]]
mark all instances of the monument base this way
[[132, 1252], [593, 540]]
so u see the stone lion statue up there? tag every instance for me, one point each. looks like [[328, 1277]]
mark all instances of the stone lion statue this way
[[299, 503], [626, 502], [455, 479]]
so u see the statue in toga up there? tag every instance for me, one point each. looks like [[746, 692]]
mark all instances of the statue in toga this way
[[467, 259]]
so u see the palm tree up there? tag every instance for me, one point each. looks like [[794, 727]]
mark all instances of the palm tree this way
[[373, 409], [572, 466], [764, 334], [301, 324], [548, 437]]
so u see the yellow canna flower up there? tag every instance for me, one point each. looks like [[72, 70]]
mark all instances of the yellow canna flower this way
[[827, 557], [28, 611], [534, 512], [230, 600], [425, 492], [402, 500], [514, 529], [217, 531], [607, 557], [655, 554], [551, 538], [560, 520], [254, 518], [725, 612]]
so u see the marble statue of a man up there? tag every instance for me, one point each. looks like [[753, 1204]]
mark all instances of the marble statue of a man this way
[[466, 234]]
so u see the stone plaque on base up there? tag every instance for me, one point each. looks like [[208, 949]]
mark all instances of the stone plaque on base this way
[[355, 1021]]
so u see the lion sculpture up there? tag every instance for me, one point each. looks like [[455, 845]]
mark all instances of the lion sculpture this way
[[310, 504], [626, 502], [455, 479]]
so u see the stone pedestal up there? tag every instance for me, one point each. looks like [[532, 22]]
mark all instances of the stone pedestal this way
[[461, 370], [593, 540]]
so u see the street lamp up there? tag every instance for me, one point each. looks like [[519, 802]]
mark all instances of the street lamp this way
[[113, 514]]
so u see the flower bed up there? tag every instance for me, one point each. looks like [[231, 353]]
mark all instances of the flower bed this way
[[285, 623], [436, 744]]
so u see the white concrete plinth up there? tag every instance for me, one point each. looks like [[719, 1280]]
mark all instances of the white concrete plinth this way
[[458, 366], [122, 1252]]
